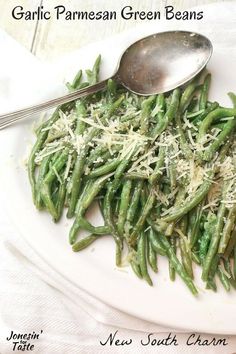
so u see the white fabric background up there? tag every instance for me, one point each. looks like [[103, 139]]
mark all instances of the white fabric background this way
[[33, 297]]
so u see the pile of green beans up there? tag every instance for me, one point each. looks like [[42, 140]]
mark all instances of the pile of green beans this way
[[161, 168]]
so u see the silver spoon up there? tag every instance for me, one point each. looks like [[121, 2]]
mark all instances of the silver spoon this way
[[152, 65]]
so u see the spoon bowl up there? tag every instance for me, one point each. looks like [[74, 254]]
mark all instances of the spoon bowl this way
[[163, 61], [152, 65]]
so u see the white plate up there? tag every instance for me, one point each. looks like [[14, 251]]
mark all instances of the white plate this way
[[93, 270]]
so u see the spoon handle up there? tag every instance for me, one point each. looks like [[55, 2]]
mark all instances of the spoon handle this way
[[12, 117]]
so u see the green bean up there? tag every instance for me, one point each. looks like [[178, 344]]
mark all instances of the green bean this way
[[151, 256], [195, 258], [104, 156], [223, 278], [80, 113], [169, 115], [83, 85], [234, 268], [76, 82], [56, 167], [96, 186], [85, 190], [47, 182], [95, 154], [145, 212], [231, 244], [214, 266], [213, 116], [195, 216], [96, 230], [160, 226], [47, 124], [43, 169], [136, 269], [172, 173], [185, 250], [204, 92], [111, 190], [93, 74], [180, 196], [187, 96], [203, 115], [79, 212], [195, 114], [47, 200], [102, 170], [54, 134], [193, 103], [82, 223], [131, 212], [36, 148], [155, 242], [171, 268], [121, 170], [227, 230], [168, 228], [214, 243], [142, 257], [227, 267], [74, 230], [159, 109], [155, 176], [124, 205], [145, 114], [224, 150], [111, 89], [132, 119], [209, 229], [60, 200], [178, 266], [116, 203], [220, 139], [84, 243], [183, 141], [112, 107], [134, 262], [136, 176], [110, 222]]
